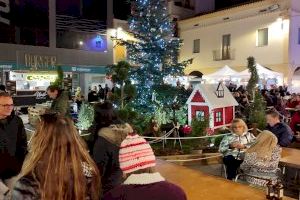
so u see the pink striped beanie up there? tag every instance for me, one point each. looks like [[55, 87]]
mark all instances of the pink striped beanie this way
[[135, 154]]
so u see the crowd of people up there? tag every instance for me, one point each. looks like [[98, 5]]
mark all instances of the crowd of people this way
[[258, 157], [58, 164], [116, 163]]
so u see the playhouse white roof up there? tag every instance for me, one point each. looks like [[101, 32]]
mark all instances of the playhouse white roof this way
[[207, 91]]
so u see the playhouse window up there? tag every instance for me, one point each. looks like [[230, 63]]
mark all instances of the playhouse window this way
[[200, 115], [218, 117]]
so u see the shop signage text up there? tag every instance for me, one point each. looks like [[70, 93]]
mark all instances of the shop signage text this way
[[40, 95], [38, 62], [4, 9], [40, 77]]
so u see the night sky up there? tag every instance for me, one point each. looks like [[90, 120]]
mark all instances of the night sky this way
[[122, 7]]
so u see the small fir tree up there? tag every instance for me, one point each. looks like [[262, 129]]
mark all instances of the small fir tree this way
[[253, 78], [85, 117], [60, 76], [257, 111], [125, 91]]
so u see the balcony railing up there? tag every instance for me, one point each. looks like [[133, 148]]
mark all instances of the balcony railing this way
[[224, 54]]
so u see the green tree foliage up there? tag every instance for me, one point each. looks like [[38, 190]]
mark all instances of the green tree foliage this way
[[257, 111], [125, 91], [85, 117], [60, 77], [254, 76], [154, 50]]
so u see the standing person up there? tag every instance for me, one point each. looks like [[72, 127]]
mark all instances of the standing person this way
[[58, 165], [106, 91], [233, 146], [60, 101], [13, 144], [281, 130], [110, 134], [262, 159], [78, 98], [101, 92], [137, 161], [92, 95]]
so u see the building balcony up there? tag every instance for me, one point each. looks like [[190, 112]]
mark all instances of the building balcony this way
[[223, 54]]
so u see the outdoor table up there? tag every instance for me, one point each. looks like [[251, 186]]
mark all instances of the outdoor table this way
[[198, 185], [291, 158]]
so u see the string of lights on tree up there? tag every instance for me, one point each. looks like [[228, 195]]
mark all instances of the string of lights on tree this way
[[154, 50]]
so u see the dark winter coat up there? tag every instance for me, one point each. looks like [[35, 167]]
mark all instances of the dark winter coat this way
[[13, 146], [106, 155], [283, 133], [61, 104], [27, 187], [146, 187]]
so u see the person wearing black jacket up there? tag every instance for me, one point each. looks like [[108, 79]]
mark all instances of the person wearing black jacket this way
[[13, 144], [282, 131], [110, 133]]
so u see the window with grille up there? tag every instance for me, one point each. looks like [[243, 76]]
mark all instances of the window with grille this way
[[200, 115], [218, 116]]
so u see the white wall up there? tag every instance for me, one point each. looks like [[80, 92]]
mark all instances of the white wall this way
[[294, 47], [243, 41]]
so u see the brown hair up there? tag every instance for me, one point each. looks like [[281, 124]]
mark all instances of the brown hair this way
[[52, 88], [273, 113], [56, 158]]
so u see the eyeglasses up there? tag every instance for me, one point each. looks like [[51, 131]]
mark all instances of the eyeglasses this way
[[237, 126], [7, 105]]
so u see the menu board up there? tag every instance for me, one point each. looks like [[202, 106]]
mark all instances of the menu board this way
[[11, 87]]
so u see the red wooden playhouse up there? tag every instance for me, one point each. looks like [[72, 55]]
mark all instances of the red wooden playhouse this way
[[212, 101]]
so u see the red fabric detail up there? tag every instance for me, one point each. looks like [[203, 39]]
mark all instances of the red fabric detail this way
[[132, 145], [132, 157], [131, 154], [138, 164], [198, 97]]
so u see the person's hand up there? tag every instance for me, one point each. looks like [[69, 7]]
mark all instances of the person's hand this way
[[234, 145], [240, 146]]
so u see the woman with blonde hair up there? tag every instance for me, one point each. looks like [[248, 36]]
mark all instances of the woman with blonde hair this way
[[233, 146], [58, 165], [262, 158]]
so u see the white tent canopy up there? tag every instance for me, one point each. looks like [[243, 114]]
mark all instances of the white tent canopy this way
[[270, 76], [262, 72], [224, 73]]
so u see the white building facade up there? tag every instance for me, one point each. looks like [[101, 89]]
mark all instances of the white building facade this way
[[268, 30]]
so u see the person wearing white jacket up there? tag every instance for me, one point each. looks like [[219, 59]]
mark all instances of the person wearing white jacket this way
[[233, 146]]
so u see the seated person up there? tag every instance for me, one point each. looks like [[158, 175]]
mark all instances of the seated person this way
[[262, 159], [137, 161], [295, 119], [233, 146], [281, 130]]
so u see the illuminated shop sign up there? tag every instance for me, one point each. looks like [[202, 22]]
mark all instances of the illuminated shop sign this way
[[37, 62], [41, 77]]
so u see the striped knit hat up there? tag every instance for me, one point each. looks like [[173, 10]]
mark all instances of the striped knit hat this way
[[135, 154]]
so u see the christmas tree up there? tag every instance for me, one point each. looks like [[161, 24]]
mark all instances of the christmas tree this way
[[154, 50]]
